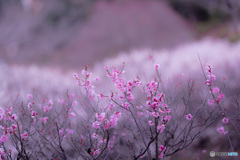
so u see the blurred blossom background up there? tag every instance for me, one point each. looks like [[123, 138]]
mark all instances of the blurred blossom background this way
[[43, 42]]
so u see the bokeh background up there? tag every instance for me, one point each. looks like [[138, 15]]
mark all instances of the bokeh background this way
[[71, 33], [43, 42]]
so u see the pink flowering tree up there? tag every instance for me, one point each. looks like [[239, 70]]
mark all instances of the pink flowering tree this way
[[136, 119]]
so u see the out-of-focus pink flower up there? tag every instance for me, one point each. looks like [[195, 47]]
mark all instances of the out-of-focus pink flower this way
[[14, 126], [106, 67], [100, 117], [24, 136], [189, 116], [96, 124], [69, 131], [97, 78], [139, 114], [221, 96], [72, 96], [221, 130], [156, 115], [4, 138], [107, 124], [211, 102], [74, 103], [138, 107], [1, 116], [29, 96], [71, 114], [160, 128], [44, 119], [225, 120], [97, 151], [50, 102], [14, 116], [103, 140], [156, 66], [125, 105], [95, 136], [2, 153], [215, 90], [150, 123], [162, 148], [75, 75], [61, 132]]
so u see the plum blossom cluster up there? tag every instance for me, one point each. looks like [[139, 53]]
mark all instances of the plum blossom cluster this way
[[101, 120], [221, 129], [161, 151], [217, 97], [215, 90], [210, 77], [135, 116], [86, 83]]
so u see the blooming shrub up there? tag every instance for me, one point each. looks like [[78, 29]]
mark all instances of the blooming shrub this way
[[101, 126], [130, 117]]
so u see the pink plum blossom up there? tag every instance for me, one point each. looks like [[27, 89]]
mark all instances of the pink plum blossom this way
[[97, 151], [29, 96], [97, 78], [221, 130], [211, 102], [150, 123], [96, 124], [156, 115], [61, 132], [44, 119], [75, 75], [189, 116], [156, 66], [125, 105], [94, 135], [160, 128], [3, 138], [221, 96], [14, 127], [225, 120], [24, 136], [71, 114], [100, 117], [215, 90]]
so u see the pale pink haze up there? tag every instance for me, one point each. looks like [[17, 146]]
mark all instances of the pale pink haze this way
[[69, 131]]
